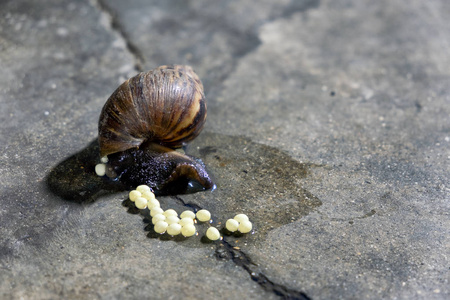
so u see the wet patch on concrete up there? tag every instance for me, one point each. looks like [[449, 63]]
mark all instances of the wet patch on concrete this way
[[249, 177], [252, 178]]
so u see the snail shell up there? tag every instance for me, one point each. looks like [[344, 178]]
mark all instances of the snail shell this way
[[166, 106], [145, 119]]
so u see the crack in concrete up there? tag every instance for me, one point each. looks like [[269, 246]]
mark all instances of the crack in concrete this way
[[226, 251], [242, 260], [117, 26], [251, 36], [299, 6]]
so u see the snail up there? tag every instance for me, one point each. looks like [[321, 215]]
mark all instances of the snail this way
[[145, 120]]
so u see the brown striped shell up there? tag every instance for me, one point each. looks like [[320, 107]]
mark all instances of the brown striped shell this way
[[165, 106]]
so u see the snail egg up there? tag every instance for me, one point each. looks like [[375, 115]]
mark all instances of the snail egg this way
[[148, 195], [160, 227], [174, 229], [133, 195], [241, 217], [143, 188], [104, 159], [232, 225], [172, 219], [212, 233], [157, 218], [245, 226], [152, 203], [156, 210], [187, 214], [100, 169], [188, 230], [141, 203], [203, 215], [186, 221], [170, 212]]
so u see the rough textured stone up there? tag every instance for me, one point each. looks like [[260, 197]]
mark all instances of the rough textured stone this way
[[328, 124]]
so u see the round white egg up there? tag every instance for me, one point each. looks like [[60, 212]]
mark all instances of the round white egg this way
[[203, 215], [188, 230], [141, 203], [160, 227], [100, 169], [170, 212], [156, 210], [157, 218], [213, 234], [174, 229], [187, 214], [232, 225], [143, 188], [241, 217], [245, 226], [133, 195]]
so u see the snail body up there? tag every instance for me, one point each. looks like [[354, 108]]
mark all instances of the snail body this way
[[145, 119]]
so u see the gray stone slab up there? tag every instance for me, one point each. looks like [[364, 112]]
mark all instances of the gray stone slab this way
[[60, 62], [328, 124]]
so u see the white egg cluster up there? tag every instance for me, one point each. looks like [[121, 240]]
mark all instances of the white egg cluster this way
[[169, 221], [239, 223], [143, 197], [163, 220]]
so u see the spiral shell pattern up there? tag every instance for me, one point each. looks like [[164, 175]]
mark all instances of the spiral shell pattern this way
[[166, 106]]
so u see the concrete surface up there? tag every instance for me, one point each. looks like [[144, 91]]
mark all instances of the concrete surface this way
[[328, 124]]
